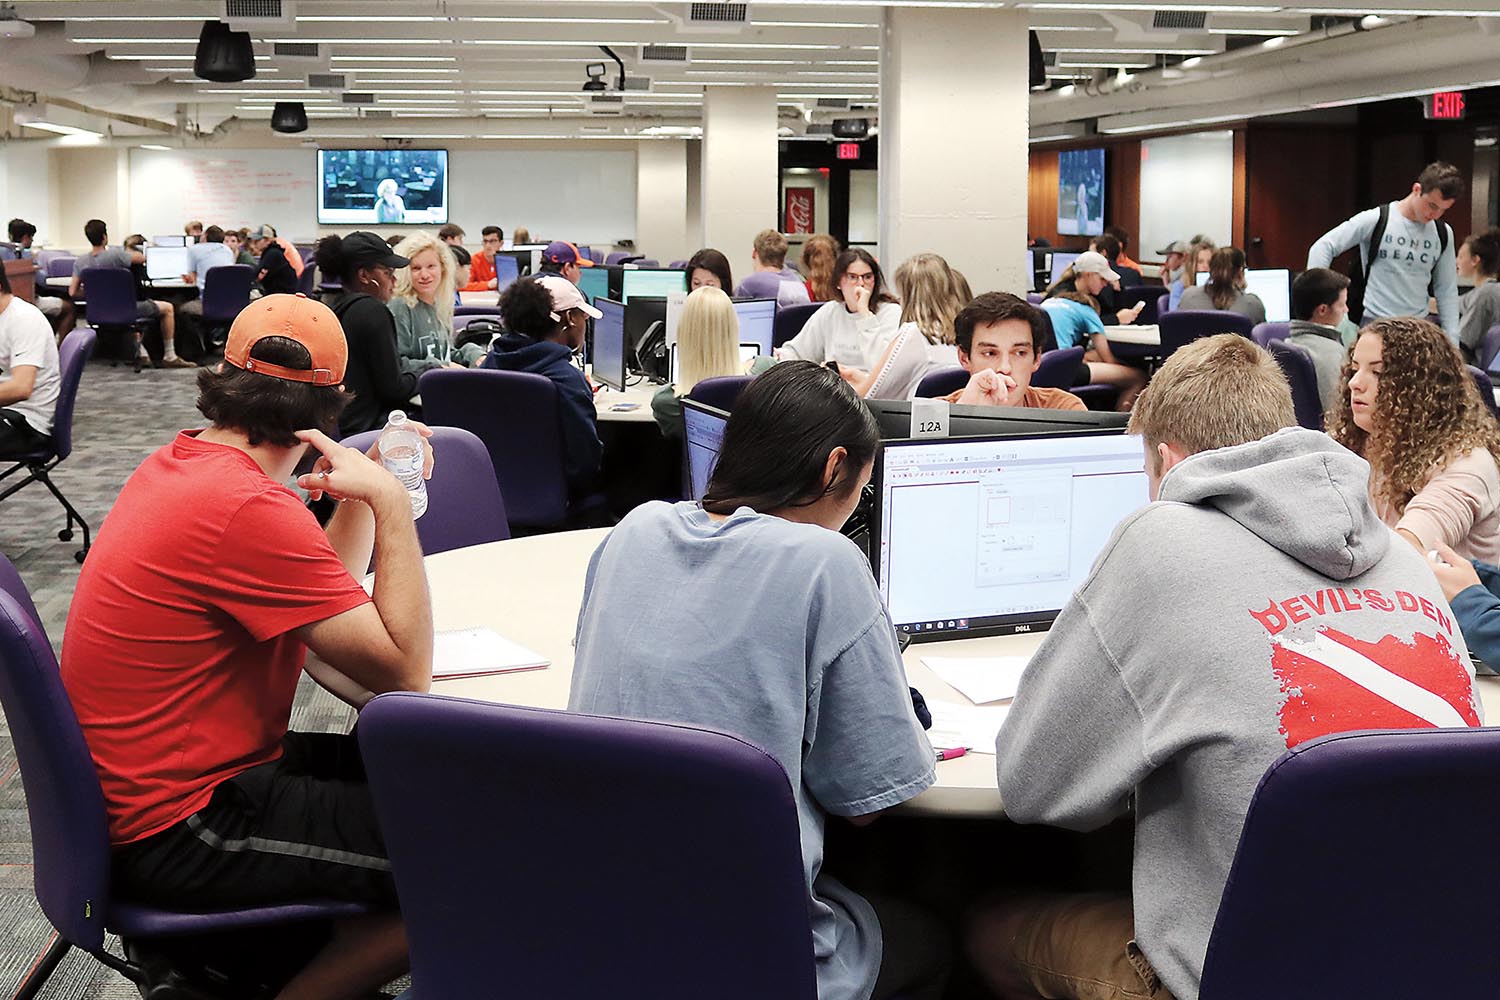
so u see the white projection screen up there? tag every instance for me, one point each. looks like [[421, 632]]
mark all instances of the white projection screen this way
[[1187, 188]]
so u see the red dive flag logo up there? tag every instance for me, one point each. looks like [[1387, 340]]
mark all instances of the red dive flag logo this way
[[1335, 683]]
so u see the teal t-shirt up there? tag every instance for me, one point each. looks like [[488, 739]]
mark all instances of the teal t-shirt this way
[[1073, 323]]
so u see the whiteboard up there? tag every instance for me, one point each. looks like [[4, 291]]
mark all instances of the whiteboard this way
[[232, 188], [587, 196], [1187, 188]]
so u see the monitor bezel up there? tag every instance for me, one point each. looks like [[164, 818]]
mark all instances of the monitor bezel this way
[[594, 354], [713, 411]]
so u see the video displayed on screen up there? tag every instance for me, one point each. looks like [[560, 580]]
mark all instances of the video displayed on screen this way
[[398, 187], [1080, 192]]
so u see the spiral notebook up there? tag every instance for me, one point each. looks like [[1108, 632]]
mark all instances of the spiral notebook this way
[[476, 652]]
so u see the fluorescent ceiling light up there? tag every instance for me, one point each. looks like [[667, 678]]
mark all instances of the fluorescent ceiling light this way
[[1067, 91], [157, 148], [813, 24], [359, 19], [136, 17], [1098, 64], [62, 129], [1215, 8], [401, 59], [1274, 43], [1393, 12], [490, 19], [1137, 52], [1254, 31], [144, 40], [691, 44]]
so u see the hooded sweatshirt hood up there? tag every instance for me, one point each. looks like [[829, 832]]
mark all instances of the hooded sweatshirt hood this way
[[514, 352], [1298, 490]]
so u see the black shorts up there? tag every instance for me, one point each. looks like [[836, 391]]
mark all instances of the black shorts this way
[[298, 828], [17, 437], [1082, 376]]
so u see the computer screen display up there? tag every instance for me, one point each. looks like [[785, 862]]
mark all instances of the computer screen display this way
[[382, 187], [506, 271], [169, 241], [748, 353], [593, 282], [1060, 263], [1274, 288], [651, 281], [1029, 270], [166, 263], [609, 343], [757, 318], [704, 427], [983, 535]]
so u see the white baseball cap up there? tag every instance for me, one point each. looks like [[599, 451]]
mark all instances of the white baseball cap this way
[[565, 296], [1093, 262]]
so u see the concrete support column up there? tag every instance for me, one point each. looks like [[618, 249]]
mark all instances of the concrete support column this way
[[953, 152], [661, 199], [739, 168]]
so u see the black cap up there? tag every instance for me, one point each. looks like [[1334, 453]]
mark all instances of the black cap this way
[[367, 248]]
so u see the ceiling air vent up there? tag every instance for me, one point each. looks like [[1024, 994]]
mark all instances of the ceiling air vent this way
[[718, 13], [1180, 20], [664, 53], [307, 54], [608, 99], [834, 103], [357, 97], [249, 15], [327, 81], [638, 84], [376, 113]]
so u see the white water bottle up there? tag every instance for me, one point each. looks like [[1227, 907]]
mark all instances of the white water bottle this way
[[401, 453]]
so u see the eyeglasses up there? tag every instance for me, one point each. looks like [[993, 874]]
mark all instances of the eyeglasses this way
[[868, 278]]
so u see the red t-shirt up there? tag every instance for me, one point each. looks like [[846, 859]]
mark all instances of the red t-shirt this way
[[177, 655], [481, 271]]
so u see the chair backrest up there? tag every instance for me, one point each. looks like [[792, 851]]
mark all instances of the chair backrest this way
[[673, 852], [1035, 298], [1163, 305], [1149, 294], [476, 310], [72, 358], [1350, 847], [1486, 388], [1183, 326], [59, 266], [1058, 369], [790, 320], [1302, 375], [721, 393], [518, 417], [942, 381], [12, 584], [1264, 333], [226, 290], [110, 292], [616, 257], [69, 836], [464, 504], [647, 262], [307, 280], [1489, 349], [678, 264], [597, 256]]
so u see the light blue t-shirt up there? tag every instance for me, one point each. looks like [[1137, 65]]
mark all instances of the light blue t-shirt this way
[[772, 631], [202, 256], [1073, 323]]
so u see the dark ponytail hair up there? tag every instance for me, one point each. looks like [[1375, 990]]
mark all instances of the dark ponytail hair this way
[[329, 254], [1485, 247], [845, 260], [527, 307], [777, 441]]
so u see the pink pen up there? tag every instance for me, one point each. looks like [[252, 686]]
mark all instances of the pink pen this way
[[952, 754]]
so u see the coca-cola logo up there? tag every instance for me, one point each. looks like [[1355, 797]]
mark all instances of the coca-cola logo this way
[[799, 210]]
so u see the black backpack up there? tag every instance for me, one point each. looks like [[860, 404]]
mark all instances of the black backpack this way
[[480, 330]]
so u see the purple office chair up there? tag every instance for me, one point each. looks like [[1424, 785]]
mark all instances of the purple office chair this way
[[678, 264], [1264, 333], [941, 381], [464, 505], [790, 320], [1489, 349], [1183, 326], [616, 258], [12, 584], [1486, 388], [1297, 365], [476, 310], [45, 257], [1163, 305], [1058, 369], [110, 295], [597, 256], [698, 879], [519, 418], [1387, 911], [1035, 298], [72, 357], [59, 266], [307, 280], [69, 836], [226, 290], [646, 262], [720, 393]]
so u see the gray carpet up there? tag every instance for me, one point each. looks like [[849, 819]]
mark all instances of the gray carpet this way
[[120, 418]]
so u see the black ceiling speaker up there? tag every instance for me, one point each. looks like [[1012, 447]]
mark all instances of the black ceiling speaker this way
[[289, 116], [223, 56], [1038, 64]]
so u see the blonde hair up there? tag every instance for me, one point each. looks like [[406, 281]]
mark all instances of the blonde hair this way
[[447, 268], [708, 338], [770, 248], [930, 296], [1213, 393], [818, 255], [1190, 265], [521, 235]]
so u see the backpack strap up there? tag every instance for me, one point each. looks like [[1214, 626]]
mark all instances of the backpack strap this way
[[1376, 236]]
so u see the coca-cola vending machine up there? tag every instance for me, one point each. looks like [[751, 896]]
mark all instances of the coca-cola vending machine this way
[[799, 211]]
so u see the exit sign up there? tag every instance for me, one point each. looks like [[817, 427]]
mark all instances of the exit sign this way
[[847, 151], [1445, 105]]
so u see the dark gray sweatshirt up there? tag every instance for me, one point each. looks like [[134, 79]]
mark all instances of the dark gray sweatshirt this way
[[1258, 604]]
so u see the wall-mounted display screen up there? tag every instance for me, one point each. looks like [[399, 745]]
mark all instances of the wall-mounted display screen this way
[[1080, 192], [382, 187]]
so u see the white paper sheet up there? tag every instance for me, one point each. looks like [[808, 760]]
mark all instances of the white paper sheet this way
[[965, 725], [467, 652], [980, 679]]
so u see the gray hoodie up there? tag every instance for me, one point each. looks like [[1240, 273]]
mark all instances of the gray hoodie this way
[[1259, 604]]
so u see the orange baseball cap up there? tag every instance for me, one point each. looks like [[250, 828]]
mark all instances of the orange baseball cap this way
[[299, 318]]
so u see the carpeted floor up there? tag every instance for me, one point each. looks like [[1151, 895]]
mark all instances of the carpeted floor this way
[[120, 418]]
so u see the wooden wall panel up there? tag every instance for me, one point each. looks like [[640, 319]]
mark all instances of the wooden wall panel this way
[[1041, 196], [1289, 203], [1240, 184], [1123, 205]]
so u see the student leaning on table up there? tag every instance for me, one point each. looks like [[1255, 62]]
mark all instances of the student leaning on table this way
[[1266, 531], [708, 346], [822, 689], [208, 584]]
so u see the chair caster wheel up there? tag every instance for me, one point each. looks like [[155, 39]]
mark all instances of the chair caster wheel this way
[[80, 556], [65, 535]]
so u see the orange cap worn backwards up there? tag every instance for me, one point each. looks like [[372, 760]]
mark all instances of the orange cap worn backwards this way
[[296, 317]]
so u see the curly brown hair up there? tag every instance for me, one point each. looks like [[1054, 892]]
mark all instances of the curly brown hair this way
[[1427, 411]]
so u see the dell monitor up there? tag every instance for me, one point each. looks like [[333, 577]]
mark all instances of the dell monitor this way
[[609, 344], [987, 536], [653, 281], [1060, 263], [756, 317], [166, 263], [704, 434], [593, 282], [506, 271]]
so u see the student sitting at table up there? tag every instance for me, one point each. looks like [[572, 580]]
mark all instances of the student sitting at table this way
[[101, 254], [708, 346], [798, 655], [1264, 531], [546, 318], [1076, 323], [1320, 302], [1409, 408], [422, 306], [367, 267], [856, 327], [709, 267], [1000, 340], [932, 293], [1225, 289], [1091, 275]]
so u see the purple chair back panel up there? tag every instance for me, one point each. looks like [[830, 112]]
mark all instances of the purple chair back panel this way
[[1489, 349], [464, 505], [518, 417], [226, 290], [790, 320], [1058, 369], [476, 311], [941, 382], [1414, 797], [616, 257], [59, 267], [1183, 326], [1163, 305], [69, 838], [1302, 375], [72, 358], [110, 292], [12, 584], [721, 393], [1264, 333], [1486, 387], [674, 852]]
